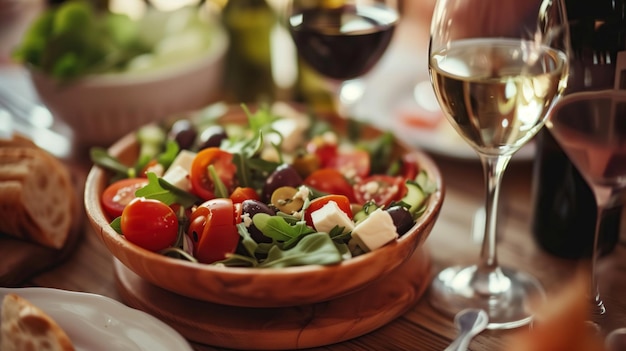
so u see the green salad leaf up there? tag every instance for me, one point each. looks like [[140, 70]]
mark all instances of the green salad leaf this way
[[277, 228], [159, 189], [313, 249]]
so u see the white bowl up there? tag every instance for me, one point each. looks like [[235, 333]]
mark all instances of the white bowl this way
[[101, 109]]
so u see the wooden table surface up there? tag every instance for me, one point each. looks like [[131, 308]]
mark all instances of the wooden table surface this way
[[90, 269]]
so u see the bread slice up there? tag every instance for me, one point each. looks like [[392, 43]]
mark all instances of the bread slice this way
[[36, 195], [24, 326]]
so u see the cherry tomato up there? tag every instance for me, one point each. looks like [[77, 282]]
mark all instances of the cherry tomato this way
[[117, 195], [342, 201], [330, 181], [380, 188], [409, 167], [213, 230], [353, 163], [149, 223], [201, 182], [326, 152], [240, 194]]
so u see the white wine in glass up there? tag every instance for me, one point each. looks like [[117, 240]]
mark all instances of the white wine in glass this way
[[497, 68], [591, 128]]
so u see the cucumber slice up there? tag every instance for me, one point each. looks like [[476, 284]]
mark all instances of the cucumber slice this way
[[415, 196], [368, 208], [428, 185]]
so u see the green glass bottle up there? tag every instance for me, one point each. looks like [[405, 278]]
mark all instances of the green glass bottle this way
[[248, 77]]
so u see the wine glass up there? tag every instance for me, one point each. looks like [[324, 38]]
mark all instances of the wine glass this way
[[591, 128], [497, 67], [342, 40]]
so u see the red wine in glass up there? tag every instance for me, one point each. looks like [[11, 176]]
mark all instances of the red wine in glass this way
[[342, 42]]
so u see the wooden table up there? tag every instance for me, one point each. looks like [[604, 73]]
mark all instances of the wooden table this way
[[90, 269]]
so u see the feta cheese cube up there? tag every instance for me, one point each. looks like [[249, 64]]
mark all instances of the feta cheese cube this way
[[178, 172], [329, 216], [183, 159], [178, 177], [375, 231]]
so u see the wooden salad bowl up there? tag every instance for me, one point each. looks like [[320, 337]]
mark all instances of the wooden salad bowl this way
[[260, 287]]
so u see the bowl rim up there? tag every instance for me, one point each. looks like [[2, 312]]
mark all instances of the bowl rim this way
[[94, 187], [216, 51], [135, 257]]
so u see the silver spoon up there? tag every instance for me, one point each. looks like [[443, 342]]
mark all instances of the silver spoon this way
[[470, 323]]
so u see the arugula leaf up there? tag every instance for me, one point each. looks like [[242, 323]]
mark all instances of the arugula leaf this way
[[159, 189], [261, 119], [237, 260], [316, 248], [246, 240], [116, 224], [150, 150], [176, 252], [380, 150], [166, 158], [278, 229], [101, 157], [344, 250]]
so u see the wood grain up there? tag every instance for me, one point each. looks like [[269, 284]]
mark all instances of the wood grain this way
[[283, 328], [421, 327]]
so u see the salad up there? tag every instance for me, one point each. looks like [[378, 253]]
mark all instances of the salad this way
[[76, 38], [279, 188]]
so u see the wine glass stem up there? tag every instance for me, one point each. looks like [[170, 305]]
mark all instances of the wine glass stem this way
[[493, 167], [346, 95], [598, 308]]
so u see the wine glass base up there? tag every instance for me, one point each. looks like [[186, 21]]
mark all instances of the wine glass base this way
[[457, 288]]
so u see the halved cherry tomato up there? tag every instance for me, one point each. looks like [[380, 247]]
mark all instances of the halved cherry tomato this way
[[213, 230], [353, 163], [240, 194], [342, 201], [326, 152], [380, 188], [201, 182], [330, 181], [117, 195], [149, 223]]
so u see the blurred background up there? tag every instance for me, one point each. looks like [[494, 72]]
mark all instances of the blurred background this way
[[260, 64]]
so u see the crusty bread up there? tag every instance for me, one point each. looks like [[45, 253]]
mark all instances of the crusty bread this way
[[36, 194], [24, 326]]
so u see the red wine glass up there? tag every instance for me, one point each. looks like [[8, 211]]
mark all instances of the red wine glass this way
[[342, 39]]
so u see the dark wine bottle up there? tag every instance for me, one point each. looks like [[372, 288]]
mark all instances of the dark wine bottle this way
[[564, 206]]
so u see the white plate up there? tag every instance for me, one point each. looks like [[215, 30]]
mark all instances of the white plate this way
[[95, 322]]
